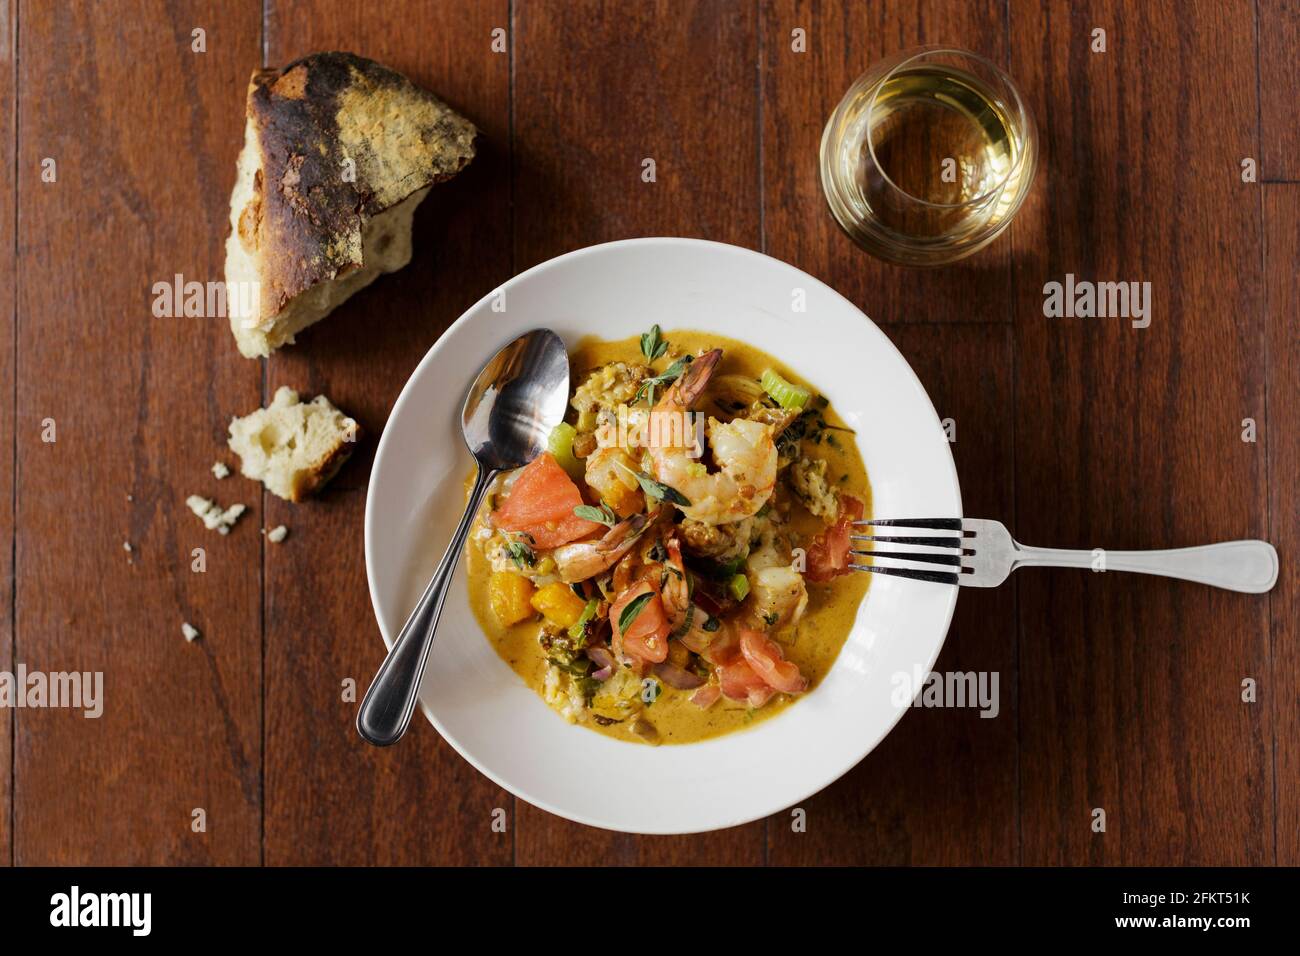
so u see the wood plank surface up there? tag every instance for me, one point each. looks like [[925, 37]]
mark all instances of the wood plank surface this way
[[1282, 443], [1279, 78], [8, 278], [603, 87], [330, 797], [133, 118], [580, 145], [1130, 687]]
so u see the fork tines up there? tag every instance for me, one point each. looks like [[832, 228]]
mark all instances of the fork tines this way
[[949, 551]]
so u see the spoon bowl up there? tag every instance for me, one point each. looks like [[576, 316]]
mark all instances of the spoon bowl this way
[[517, 399]]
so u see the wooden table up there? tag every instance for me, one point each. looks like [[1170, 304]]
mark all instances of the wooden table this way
[[1122, 693]]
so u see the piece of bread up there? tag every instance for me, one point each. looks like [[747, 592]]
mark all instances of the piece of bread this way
[[293, 447], [338, 152]]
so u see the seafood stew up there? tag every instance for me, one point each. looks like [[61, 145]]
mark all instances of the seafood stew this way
[[675, 566]]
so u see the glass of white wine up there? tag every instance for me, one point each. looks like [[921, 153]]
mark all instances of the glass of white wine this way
[[928, 156]]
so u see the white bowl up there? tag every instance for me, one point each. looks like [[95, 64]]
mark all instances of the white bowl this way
[[477, 702]]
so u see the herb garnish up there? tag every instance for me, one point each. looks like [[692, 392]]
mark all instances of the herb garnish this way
[[657, 489], [520, 553], [671, 374], [634, 607], [652, 344], [580, 631], [574, 668], [601, 515]]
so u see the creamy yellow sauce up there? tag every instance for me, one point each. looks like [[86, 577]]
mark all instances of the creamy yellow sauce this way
[[813, 644]]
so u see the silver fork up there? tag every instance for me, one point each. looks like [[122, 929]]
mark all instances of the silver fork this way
[[983, 554]]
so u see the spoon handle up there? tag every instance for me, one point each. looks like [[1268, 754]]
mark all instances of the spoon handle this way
[[387, 707]]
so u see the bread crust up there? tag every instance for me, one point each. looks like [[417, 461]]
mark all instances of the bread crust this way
[[341, 139], [311, 482]]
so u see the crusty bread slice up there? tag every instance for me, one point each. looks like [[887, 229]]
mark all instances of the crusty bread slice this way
[[293, 447], [338, 152]]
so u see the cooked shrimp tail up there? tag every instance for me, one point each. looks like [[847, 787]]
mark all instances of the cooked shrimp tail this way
[[690, 385], [584, 559]]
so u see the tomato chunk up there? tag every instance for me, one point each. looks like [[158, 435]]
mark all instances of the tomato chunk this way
[[646, 637], [828, 554], [541, 503]]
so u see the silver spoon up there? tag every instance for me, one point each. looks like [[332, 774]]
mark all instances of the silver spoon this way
[[517, 399]]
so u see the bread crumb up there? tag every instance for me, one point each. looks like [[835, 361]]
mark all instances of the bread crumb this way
[[220, 469], [190, 631], [212, 515], [277, 534], [126, 546]]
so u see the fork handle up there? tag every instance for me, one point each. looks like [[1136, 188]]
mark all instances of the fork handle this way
[[1249, 566]]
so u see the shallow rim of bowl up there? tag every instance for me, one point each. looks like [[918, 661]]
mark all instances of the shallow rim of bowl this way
[[430, 356]]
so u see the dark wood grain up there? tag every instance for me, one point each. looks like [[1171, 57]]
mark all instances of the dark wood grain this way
[[8, 277], [1130, 687], [145, 155], [1282, 443], [330, 798], [599, 87], [1279, 78], [941, 789], [801, 90]]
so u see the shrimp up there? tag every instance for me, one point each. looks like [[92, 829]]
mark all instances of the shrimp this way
[[778, 596], [584, 559], [690, 621], [743, 450]]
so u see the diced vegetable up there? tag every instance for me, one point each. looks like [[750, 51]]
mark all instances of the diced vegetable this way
[[509, 594], [540, 504], [829, 553], [738, 587], [560, 444], [558, 604], [785, 394], [640, 625]]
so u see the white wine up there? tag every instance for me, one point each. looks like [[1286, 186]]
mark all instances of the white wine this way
[[928, 161]]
